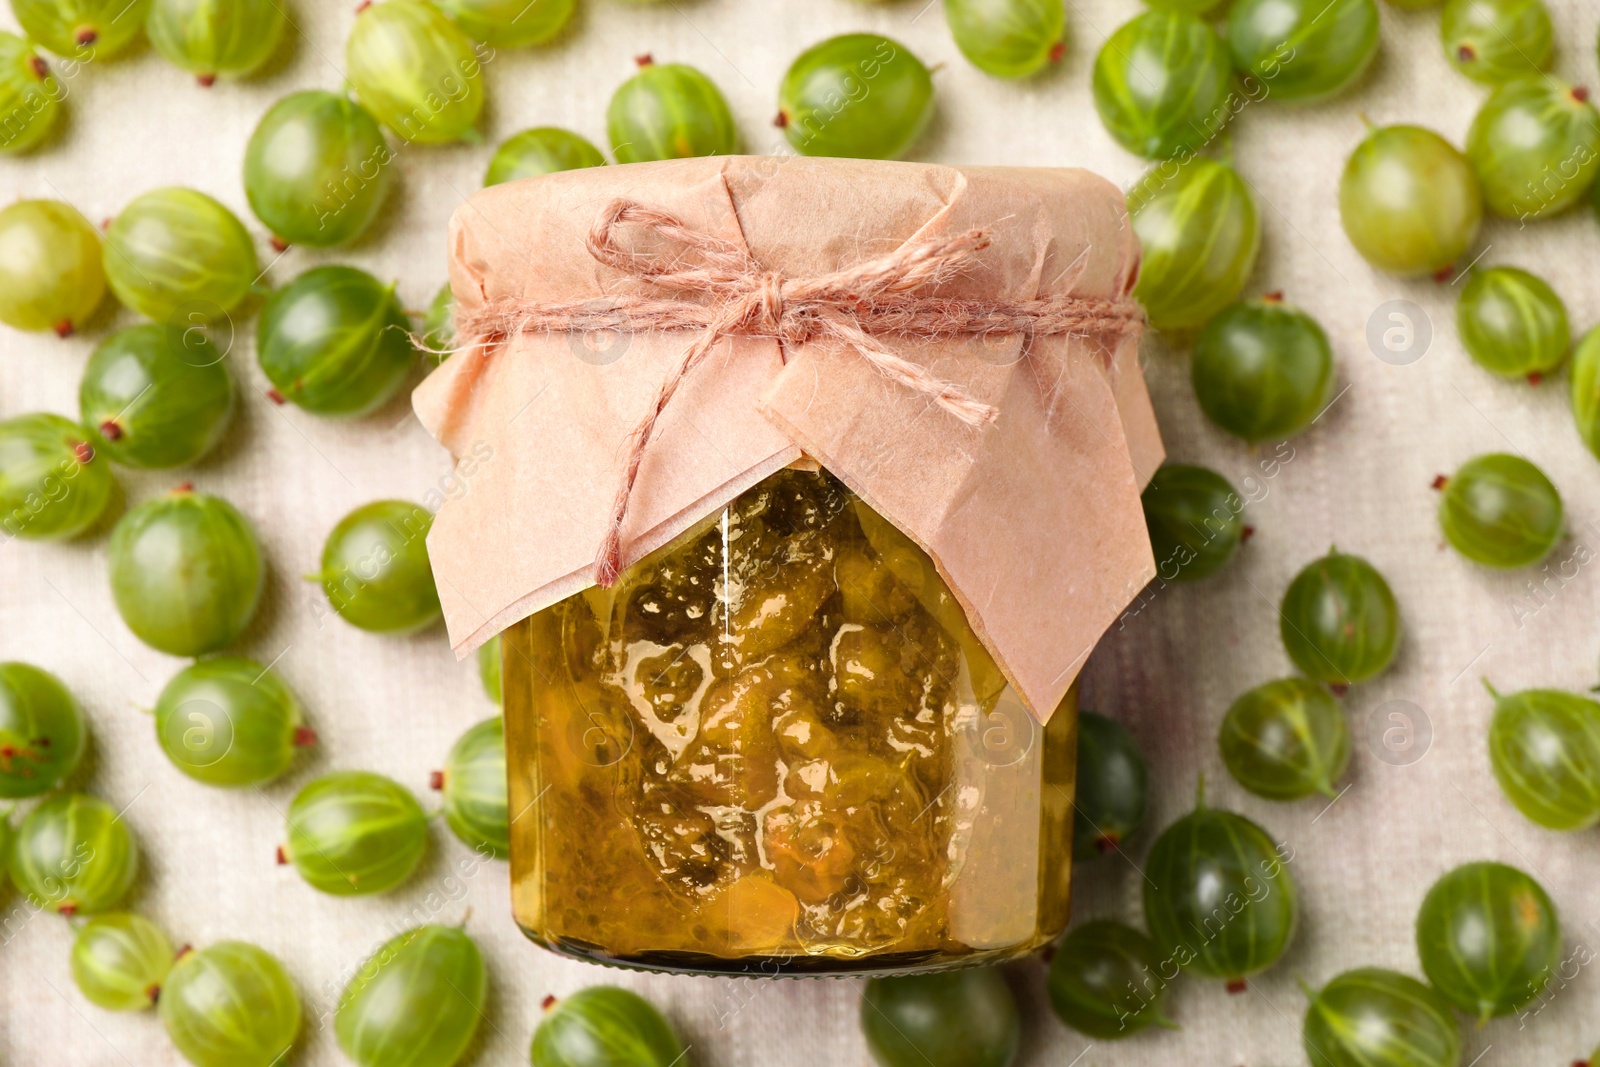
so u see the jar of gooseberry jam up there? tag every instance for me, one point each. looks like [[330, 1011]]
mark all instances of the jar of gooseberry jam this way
[[775, 746]]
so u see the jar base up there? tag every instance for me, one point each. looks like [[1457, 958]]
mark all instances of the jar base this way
[[875, 965]]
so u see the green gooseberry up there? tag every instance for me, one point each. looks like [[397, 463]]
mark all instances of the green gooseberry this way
[[1214, 867], [474, 786], [415, 71], [1199, 235], [1195, 519], [1262, 369], [212, 37], [231, 1004], [1303, 49], [965, 1018], [335, 342], [73, 854], [229, 721], [41, 732], [375, 568], [1192, 7], [1112, 787], [354, 832], [1409, 202], [1535, 146], [30, 96], [86, 29], [1104, 981], [1162, 84], [1496, 40], [1586, 389], [316, 170], [604, 1025], [509, 23], [1285, 740], [52, 484], [1413, 5], [51, 277], [1512, 323], [857, 95], [1008, 38], [1339, 621], [120, 960], [156, 396], [1371, 1016], [541, 150], [186, 572], [1501, 511], [1544, 746], [489, 668], [416, 1002], [439, 326], [1489, 938], [176, 253], [669, 112]]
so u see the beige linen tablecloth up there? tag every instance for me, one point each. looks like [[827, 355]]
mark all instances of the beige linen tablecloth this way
[[1360, 478]]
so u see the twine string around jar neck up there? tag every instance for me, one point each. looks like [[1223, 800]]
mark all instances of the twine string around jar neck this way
[[739, 297]]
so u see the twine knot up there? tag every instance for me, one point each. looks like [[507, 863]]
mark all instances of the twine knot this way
[[739, 297], [770, 292]]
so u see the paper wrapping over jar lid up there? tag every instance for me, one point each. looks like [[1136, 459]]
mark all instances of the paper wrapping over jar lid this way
[[1033, 519]]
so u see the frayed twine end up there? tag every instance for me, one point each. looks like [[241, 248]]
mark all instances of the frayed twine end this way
[[608, 561]]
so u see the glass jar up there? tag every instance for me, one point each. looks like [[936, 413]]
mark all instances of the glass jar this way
[[775, 746]]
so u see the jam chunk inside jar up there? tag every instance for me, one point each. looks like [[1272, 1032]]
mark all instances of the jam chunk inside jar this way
[[776, 746]]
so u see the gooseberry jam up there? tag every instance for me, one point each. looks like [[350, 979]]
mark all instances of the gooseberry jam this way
[[775, 746]]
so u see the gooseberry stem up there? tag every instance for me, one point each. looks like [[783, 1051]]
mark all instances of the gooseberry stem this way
[[1492, 691]]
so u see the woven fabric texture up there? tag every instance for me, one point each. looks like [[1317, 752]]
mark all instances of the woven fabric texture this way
[[1360, 478]]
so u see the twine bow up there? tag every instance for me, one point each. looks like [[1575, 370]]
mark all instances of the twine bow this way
[[737, 296]]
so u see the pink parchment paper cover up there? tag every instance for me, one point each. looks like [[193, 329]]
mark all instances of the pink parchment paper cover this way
[[1034, 521]]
